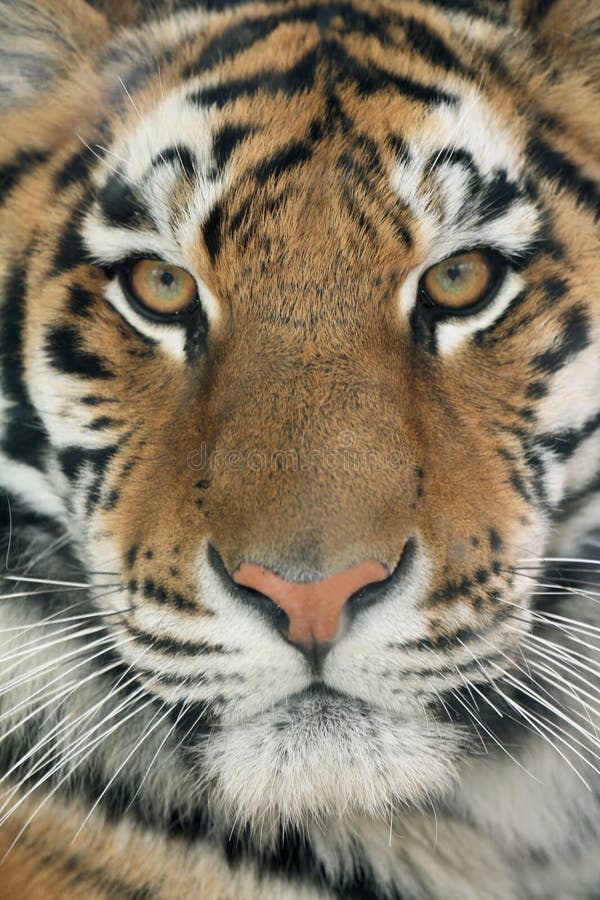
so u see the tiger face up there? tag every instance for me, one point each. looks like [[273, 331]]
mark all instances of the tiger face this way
[[302, 301]]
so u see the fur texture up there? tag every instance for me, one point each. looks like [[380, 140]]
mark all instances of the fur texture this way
[[307, 163]]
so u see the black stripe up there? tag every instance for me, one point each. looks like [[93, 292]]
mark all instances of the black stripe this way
[[226, 140], [196, 679], [65, 353], [575, 338], [72, 461], [179, 155], [289, 81], [80, 301], [71, 251], [94, 400], [365, 176], [233, 40], [75, 170], [291, 857], [538, 10], [554, 289], [103, 422], [457, 156], [282, 160], [496, 332], [361, 220], [566, 174], [21, 165], [24, 436], [173, 646], [369, 80], [428, 44], [241, 218], [212, 230], [400, 148], [566, 442], [496, 197], [241, 36], [122, 206], [520, 487], [572, 500]]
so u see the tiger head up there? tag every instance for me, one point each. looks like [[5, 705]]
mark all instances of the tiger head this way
[[301, 343]]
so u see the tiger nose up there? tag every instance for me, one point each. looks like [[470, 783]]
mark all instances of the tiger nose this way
[[313, 608]]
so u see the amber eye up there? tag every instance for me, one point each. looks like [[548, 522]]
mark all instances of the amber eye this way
[[461, 281], [161, 290]]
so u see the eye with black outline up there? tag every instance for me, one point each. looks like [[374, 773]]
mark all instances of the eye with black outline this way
[[158, 290], [464, 283]]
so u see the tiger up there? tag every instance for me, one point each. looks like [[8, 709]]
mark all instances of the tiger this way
[[300, 450]]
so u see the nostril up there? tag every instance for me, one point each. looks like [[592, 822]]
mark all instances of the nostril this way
[[372, 593], [313, 608], [250, 596], [309, 613]]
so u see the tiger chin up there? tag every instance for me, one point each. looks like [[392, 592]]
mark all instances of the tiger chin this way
[[299, 450]]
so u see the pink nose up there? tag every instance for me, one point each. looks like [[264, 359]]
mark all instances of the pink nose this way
[[313, 608]]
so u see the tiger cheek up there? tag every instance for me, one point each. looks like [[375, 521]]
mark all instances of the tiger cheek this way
[[299, 450]]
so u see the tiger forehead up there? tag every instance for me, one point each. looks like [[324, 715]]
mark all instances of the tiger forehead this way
[[302, 94]]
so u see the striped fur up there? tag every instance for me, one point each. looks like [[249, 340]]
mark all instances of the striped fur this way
[[307, 162]]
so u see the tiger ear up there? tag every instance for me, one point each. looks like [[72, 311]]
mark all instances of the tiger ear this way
[[42, 41]]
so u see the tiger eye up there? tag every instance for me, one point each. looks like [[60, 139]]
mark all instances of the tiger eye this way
[[459, 281], [162, 289]]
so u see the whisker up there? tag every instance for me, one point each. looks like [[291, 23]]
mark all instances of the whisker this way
[[68, 633], [44, 622], [69, 670], [101, 159], [154, 758], [559, 682], [529, 691], [524, 714], [573, 656], [61, 729], [62, 780], [560, 662], [561, 559], [130, 98], [28, 578], [145, 734], [494, 738], [44, 593], [73, 749], [10, 533], [53, 663]]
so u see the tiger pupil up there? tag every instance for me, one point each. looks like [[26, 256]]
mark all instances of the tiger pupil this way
[[167, 279]]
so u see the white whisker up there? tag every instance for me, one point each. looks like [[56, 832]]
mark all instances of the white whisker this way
[[10, 533], [62, 780], [145, 734], [74, 584]]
